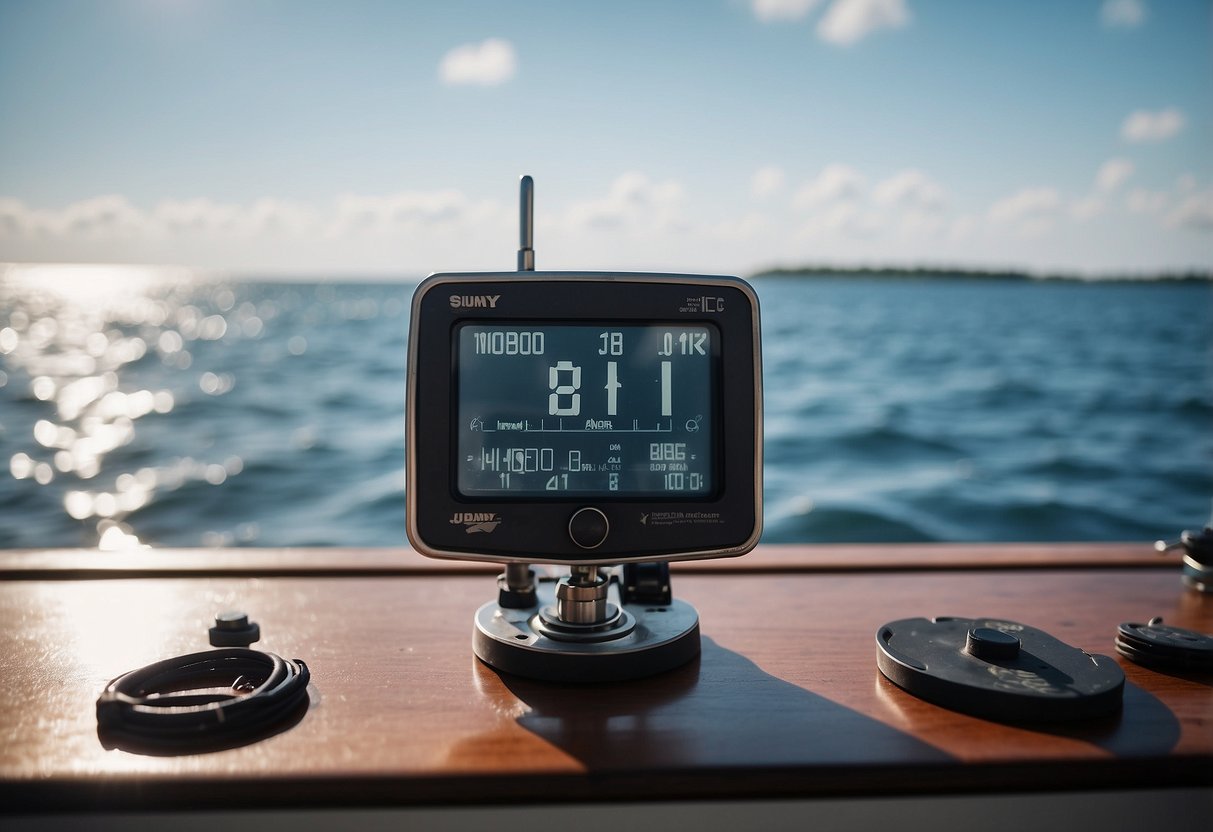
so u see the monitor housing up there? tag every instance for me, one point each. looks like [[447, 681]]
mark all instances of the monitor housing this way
[[584, 418]]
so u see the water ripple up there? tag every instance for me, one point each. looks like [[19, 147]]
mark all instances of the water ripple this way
[[157, 407]]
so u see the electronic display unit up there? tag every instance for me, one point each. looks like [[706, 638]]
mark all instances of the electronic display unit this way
[[603, 409], [579, 417]]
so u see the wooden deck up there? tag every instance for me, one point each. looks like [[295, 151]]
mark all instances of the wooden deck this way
[[785, 702]]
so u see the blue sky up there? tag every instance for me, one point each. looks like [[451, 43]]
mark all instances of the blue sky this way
[[721, 135]]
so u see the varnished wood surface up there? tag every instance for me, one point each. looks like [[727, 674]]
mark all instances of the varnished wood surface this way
[[786, 699], [75, 564]]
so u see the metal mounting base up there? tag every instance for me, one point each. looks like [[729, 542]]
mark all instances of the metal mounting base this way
[[639, 640]]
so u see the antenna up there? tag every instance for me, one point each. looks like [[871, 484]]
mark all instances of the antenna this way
[[526, 225], [517, 584]]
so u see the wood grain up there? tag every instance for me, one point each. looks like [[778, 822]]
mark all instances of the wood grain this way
[[79, 564], [785, 700]]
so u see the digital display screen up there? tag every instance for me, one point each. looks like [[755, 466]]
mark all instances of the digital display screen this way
[[603, 409]]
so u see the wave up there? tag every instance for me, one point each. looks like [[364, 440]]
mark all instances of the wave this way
[[906, 410], [882, 444], [844, 524]]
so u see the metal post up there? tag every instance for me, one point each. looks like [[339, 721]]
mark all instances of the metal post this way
[[526, 225], [518, 575]]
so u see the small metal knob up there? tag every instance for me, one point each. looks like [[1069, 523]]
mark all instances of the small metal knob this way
[[233, 629], [990, 644], [581, 597]]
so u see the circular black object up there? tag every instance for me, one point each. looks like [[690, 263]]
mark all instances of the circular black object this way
[[643, 641], [1170, 648], [1198, 545], [990, 644], [230, 696], [999, 670], [588, 528], [233, 629]]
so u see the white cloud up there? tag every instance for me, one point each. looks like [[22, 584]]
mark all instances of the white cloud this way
[[1112, 174], [910, 189], [766, 181], [835, 183], [278, 216], [406, 232], [109, 215], [963, 227], [1194, 211], [1147, 126], [204, 217], [1025, 204], [1086, 208], [1124, 14], [16, 220], [917, 224], [847, 22], [488, 63], [114, 216], [769, 10], [632, 199], [1141, 201], [845, 219], [406, 211], [743, 229], [634, 221], [197, 216]]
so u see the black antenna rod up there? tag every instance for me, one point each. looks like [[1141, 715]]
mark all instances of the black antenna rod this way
[[526, 225], [519, 577]]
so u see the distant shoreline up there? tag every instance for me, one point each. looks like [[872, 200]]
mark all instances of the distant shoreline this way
[[927, 273], [12, 269]]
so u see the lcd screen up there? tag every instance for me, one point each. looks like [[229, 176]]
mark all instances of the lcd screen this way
[[604, 410]]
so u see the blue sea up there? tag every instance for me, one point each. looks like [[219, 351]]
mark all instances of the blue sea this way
[[157, 408]]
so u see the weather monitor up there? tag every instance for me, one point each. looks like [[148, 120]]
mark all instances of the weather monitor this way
[[591, 419]]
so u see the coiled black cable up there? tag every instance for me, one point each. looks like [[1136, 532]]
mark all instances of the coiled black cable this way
[[220, 697]]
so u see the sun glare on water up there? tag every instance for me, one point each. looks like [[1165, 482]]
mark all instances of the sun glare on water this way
[[86, 284], [75, 331]]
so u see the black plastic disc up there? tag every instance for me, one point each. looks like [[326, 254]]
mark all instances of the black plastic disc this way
[[1172, 648], [999, 670], [659, 639]]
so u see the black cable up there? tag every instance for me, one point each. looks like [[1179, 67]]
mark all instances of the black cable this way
[[226, 696]]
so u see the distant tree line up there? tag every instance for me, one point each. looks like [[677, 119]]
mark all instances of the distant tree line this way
[[932, 273]]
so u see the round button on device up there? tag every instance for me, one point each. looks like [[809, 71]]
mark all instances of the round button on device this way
[[990, 644], [588, 527]]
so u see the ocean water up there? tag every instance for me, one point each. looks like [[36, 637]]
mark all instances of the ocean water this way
[[157, 408]]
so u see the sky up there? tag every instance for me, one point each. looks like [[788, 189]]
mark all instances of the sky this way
[[724, 136]]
